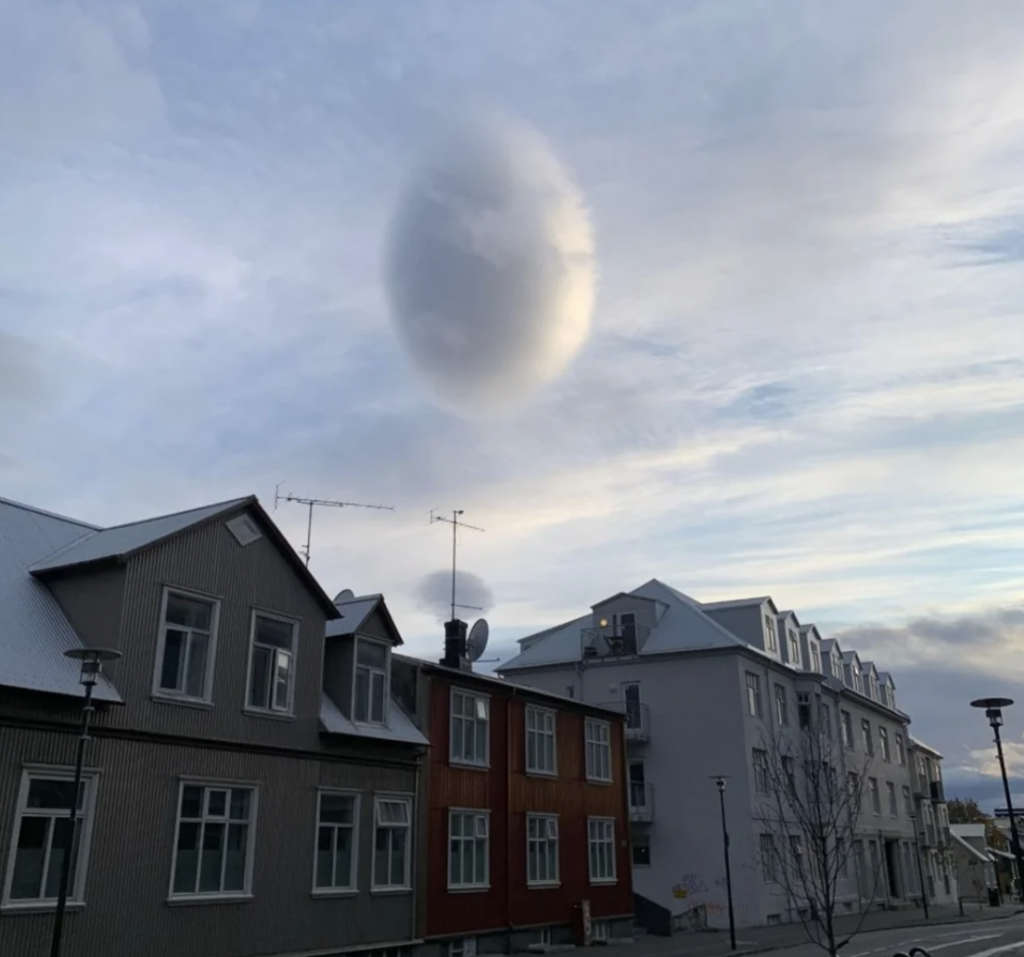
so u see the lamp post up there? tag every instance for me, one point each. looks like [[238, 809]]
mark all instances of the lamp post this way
[[993, 708], [720, 784], [92, 667], [920, 870]]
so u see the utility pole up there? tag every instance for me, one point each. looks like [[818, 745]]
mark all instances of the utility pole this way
[[310, 503], [456, 524]]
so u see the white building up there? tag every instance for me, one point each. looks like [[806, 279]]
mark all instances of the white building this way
[[934, 839], [700, 684]]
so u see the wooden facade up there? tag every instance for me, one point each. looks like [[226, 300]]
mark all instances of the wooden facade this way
[[509, 906]]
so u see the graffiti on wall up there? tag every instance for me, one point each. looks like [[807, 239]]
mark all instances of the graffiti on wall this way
[[702, 892]]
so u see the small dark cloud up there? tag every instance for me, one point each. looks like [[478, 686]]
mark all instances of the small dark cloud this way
[[434, 594], [989, 242], [986, 627]]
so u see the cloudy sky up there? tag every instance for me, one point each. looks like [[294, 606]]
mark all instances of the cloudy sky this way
[[804, 370]]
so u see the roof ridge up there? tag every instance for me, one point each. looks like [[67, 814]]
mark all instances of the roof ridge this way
[[42, 511], [697, 606], [181, 511]]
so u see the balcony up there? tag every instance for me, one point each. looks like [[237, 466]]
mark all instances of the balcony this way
[[938, 793], [641, 803], [609, 642], [638, 718]]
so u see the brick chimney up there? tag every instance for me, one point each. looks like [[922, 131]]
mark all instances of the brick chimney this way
[[455, 646]]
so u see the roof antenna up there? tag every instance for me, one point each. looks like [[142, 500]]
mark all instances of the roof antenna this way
[[456, 524], [310, 503]]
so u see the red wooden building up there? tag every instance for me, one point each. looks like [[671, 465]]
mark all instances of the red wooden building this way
[[524, 815]]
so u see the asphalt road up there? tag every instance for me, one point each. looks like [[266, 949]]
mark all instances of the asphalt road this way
[[995, 938]]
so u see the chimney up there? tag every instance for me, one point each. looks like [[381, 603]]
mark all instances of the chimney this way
[[455, 646]]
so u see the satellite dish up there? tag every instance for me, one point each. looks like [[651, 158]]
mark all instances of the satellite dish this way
[[477, 641], [346, 594]]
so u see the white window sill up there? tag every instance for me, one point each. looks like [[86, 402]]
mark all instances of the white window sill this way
[[335, 892], [468, 888], [604, 880], [390, 890], [36, 907], [591, 780], [163, 697], [188, 899], [538, 773], [264, 713], [543, 885], [471, 765]]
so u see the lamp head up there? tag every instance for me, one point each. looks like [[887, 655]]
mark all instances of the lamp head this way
[[91, 662], [993, 708]]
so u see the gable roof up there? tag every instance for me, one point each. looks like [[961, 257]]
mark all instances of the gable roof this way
[[353, 612], [120, 542], [681, 626], [34, 633], [740, 603]]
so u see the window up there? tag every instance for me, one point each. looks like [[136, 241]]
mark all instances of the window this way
[[803, 709], [213, 846], [890, 789], [908, 804], [883, 740], [771, 641], [641, 850], [876, 797], [760, 771], [371, 692], [184, 657], [601, 930], [825, 720], [768, 857], [873, 687], [842, 857], [271, 664], [754, 695], [42, 837], [858, 681], [336, 830], [599, 750], [601, 845], [541, 849], [470, 729], [540, 741], [901, 754], [625, 628], [865, 734], [463, 947], [853, 784], [391, 850], [847, 723], [781, 705], [837, 666], [796, 853], [815, 656], [789, 770], [794, 649], [468, 849]]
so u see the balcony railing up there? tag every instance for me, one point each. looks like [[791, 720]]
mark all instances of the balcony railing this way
[[611, 641], [638, 718], [641, 802]]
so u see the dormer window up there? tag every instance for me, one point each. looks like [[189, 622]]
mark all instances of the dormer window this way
[[837, 666], [371, 682], [858, 681], [794, 649], [815, 656], [873, 688], [770, 637]]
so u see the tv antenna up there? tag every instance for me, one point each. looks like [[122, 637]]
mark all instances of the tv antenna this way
[[313, 502], [456, 524]]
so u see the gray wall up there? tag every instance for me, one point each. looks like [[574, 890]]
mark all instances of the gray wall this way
[[129, 868]]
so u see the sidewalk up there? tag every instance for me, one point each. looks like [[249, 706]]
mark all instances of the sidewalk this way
[[753, 940]]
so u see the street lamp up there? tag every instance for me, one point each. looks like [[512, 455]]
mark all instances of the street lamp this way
[[994, 712], [920, 870], [720, 784], [92, 667]]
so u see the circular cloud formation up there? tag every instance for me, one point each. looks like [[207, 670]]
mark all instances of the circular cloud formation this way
[[434, 594], [490, 268]]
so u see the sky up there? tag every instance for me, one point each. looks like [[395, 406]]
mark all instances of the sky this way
[[800, 227]]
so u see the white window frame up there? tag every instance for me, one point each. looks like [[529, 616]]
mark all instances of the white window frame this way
[[76, 888], [539, 734], [759, 762], [771, 634], [479, 819], [288, 711], [755, 703], [371, 672], [901, 751], [597, 741], [548, 835], [352, 887], [876, 796], [769, 860], [883, 743], [250, 844], [462, 947], [866, 736], [846, 721], [406, 884], [476, 722], [893, 799], [812, 647], [794, 648], [782, 705], [601, 833], [171, 694]]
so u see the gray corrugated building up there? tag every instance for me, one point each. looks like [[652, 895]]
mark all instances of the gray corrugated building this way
[[250, 785]]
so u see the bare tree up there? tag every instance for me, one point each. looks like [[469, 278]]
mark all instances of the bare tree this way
[[808, 813]]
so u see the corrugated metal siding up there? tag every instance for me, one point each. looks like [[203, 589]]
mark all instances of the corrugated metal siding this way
[[208, 559], [94, 603], [510, 794], [129, 869]]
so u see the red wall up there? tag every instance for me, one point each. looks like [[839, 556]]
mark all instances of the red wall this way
[[509, 794]]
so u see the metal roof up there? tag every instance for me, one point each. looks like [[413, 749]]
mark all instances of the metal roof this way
[[354, 613], [122, 540], [34, 634], [399, 728]]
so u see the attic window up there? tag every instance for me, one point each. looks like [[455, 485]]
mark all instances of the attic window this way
[[244, 529]]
